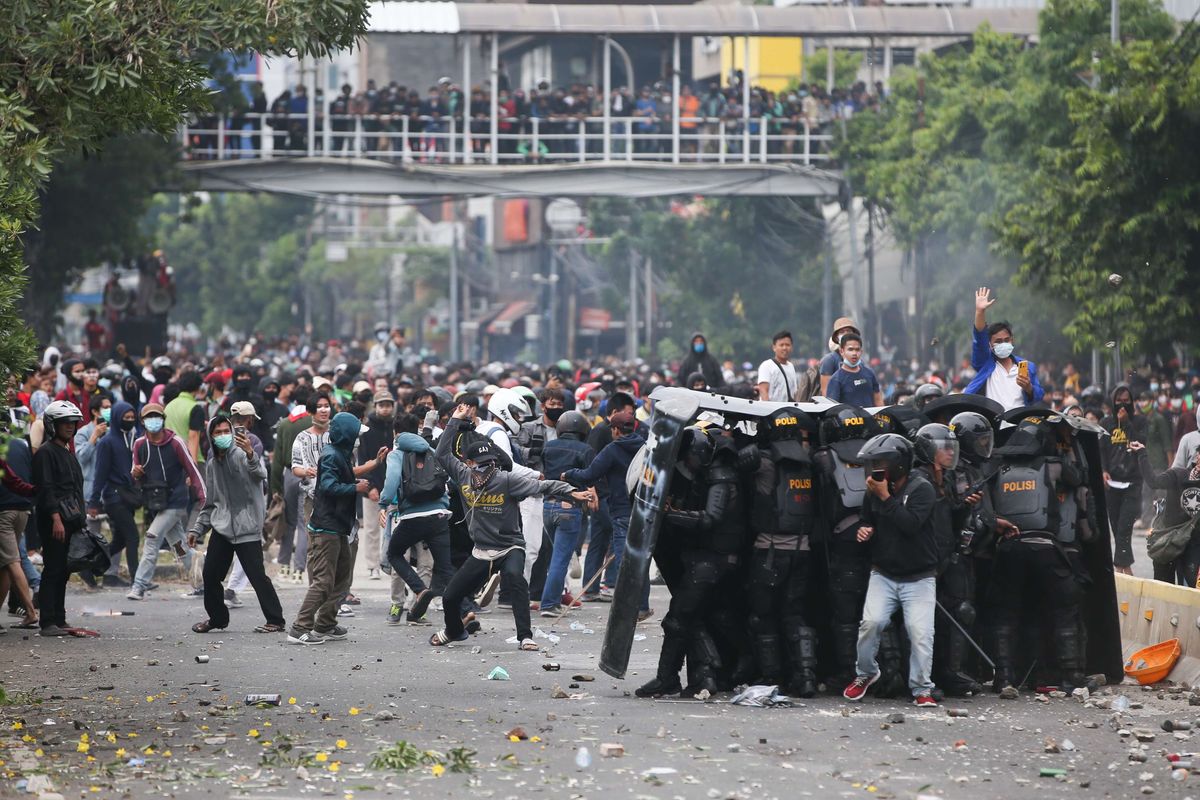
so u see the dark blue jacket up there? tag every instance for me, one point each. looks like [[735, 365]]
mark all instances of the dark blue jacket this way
[[334, 503], [114, 459], [612, 463], [560, 455], [20, 461]]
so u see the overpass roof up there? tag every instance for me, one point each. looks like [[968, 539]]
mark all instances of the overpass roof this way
[[411, 16]]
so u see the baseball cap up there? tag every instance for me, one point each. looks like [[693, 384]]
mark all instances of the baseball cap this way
[[622, 421], [361, 386], [243, 408], [152, 408], [383, 397]]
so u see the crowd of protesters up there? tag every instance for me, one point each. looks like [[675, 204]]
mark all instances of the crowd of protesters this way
[[541, 122]]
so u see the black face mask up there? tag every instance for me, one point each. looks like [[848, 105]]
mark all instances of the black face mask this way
[[127, 425], [76, 380], [1127, 406], [269, 395], [553, 414], [243, 384]]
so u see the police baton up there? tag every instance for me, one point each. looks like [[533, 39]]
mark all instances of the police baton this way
[[966, 635]]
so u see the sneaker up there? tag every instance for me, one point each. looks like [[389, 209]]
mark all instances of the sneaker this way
[[857, 689], [552, 611], [336, 633], [422, 620], [192, 592], [232, 600], [924, 701], [576, 568], [394, 614], [308, 637], [606, 594], [136, 593], [645, 615], [569, 600], [373, 575], [590, 597], [345, 611], [504, 606], [489, 590], [53, 630]]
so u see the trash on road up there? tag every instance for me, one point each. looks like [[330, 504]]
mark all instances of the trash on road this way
[[263, 699], [612, 750], [498, 674], [761, 697]]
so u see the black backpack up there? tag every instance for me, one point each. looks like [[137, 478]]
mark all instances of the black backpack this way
[[424, 479]]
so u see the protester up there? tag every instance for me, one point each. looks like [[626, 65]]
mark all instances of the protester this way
[[59, 507], [777, 375], [234, 510], [1000, 375]]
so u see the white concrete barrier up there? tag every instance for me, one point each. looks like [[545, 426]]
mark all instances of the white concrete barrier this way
[[1152, 612]]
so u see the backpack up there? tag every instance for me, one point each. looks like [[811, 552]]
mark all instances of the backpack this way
[[424, 479], [808, 384]]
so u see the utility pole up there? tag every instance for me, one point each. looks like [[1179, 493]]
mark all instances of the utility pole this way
[[873, 337], [648, 296], [454, 311]]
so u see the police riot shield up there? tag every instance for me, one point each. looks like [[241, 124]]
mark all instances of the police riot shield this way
[[1099, 606], [943, 409], [673, 410]]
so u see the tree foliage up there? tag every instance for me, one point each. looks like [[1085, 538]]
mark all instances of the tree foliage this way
[[77, 72], [1009, 164], [706, 250]]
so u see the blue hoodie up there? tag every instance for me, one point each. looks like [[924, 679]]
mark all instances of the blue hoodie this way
[[335, 499], [391, 493], [611, 463], [114, 459]]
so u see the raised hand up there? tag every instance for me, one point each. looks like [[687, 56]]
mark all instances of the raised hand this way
[[983, 298]]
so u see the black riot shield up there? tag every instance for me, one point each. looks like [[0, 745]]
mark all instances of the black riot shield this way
[[944, 408], [1099, 606], [674, 409]]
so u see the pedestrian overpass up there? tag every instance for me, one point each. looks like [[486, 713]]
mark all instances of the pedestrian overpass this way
[[658, 153]]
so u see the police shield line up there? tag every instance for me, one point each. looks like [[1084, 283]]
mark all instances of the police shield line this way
[[931, 549]]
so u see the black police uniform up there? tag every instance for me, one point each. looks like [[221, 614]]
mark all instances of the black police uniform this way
[[782, 517], [1041, 564]]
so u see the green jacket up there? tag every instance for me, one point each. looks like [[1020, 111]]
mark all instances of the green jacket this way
[[281, 456]]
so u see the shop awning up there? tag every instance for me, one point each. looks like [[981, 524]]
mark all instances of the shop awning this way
[[502, 324]]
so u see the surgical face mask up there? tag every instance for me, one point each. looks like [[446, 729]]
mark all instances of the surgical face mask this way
[[153, 424], [106, 414], [852, 360], [223, 441], [1179, 385], [1154, 387], [105, 383], [1002, 349], [698, 347], [382, 336], [833, 346], [127, 425]]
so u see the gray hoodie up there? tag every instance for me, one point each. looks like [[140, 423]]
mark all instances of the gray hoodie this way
[[493, 510], [235, 506]]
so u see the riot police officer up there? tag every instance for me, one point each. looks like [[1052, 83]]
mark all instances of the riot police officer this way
[[706, 519], [842, 486], [925, 393], [782, 516], [1037, 557]]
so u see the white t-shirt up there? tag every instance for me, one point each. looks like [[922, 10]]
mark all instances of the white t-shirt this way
[[780, 380], [1002, 387]]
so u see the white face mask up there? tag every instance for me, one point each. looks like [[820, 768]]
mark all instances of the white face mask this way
[[1002, 349], [833, 346]]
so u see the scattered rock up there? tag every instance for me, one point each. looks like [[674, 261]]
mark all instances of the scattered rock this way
[[179, 716], [895, 719], [385, 716], [612, 750], [1009, 693], [1144, 735], [957, 712], [1051, 746]]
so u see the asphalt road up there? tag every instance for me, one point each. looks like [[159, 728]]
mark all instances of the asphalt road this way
[[139, 686]]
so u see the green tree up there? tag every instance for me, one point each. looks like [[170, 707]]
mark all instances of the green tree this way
[[706, 249], [90, 211], [846, 64], [78, 72]]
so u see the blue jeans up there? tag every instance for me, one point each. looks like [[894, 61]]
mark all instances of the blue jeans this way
[[561, 528], [916, 599], [599, 534], [167, 526], [620, 530]]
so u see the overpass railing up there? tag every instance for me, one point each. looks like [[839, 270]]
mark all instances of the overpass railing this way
[[513, 140]]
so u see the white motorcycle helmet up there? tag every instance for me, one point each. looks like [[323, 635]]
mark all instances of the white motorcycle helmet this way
[[60, 411], [509, 409]]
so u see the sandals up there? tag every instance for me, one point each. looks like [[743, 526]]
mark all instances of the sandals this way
[[528, 644], [489, 590], [270, 627], [441, 638], [470, 624], [206, 627]]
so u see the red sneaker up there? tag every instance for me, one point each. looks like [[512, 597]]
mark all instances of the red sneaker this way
[[925, 701], [858, 687], [569, 601]]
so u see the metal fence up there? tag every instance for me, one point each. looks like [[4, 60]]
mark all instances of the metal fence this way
[[511, 140]]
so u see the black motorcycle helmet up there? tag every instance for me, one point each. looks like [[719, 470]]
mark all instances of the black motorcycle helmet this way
[[695, 452], [932, 439], [926, 392], [844, 428], [573, 423], [976, 437], [891, 453]]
